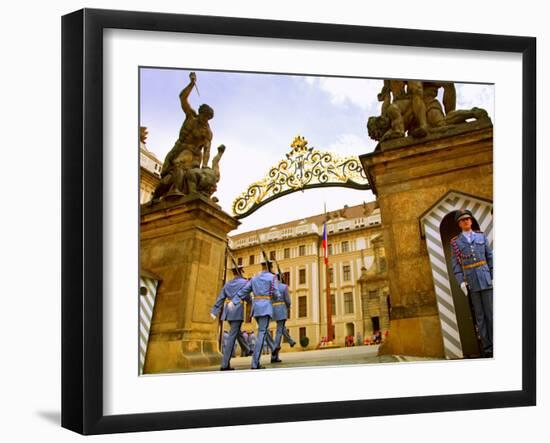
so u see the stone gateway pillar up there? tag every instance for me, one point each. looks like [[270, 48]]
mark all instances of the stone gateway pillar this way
[[409, 175], [183, 241]]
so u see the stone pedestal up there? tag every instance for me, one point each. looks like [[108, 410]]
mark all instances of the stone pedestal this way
[[408, 176], [183, 241]]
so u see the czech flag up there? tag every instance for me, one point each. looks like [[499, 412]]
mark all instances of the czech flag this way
[[325, 243]]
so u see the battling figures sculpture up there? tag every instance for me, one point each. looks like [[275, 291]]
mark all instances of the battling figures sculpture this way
[[185, 169], [412, 108]]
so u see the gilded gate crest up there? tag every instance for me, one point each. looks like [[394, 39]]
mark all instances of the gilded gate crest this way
[[303, 168]]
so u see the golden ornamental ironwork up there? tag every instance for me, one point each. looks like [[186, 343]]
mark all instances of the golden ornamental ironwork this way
[[303, 168]]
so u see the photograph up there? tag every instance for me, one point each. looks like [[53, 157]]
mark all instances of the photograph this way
[[306, 212], [291, 220]]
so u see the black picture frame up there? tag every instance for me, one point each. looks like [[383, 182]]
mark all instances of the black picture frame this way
[[82, 218]]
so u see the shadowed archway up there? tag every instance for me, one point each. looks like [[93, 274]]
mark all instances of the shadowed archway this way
[[436, 228]]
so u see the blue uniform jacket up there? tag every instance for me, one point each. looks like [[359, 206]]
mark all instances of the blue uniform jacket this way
[[473, 261], [281, 303], [265, 288], [231, 301]]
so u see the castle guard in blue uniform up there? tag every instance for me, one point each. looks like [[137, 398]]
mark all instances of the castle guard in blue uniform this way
[[264, 286], [231, 304], [472, 260]]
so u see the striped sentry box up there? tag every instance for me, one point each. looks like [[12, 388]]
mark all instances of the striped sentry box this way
[[148, 293], [430, 222]]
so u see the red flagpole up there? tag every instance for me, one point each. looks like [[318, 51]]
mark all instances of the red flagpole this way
[[330, 335]]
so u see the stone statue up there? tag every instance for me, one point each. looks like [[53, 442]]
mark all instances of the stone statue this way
[[185, 169], [202, 180], [412, 108], [186, 181], [410, 98]]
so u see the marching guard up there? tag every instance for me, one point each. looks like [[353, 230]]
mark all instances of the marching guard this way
[[231, 301], [264, 286], [472, 260], [281, 308]]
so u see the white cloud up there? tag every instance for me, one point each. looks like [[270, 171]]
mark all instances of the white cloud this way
[[480, 96], [351, 144], [345, 91]]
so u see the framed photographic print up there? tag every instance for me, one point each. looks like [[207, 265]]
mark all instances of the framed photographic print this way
[[326, 202]]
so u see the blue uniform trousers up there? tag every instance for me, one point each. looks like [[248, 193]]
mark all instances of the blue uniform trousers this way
[[482, 302], [269, 342], [229, 344], [243, 343], [281, 331], [286, 335], [263, 325]]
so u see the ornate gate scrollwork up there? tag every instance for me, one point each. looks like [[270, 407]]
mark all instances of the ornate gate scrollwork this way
[[304, 168]]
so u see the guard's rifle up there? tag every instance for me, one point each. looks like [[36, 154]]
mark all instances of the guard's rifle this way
[[470, 304], [235, 264], [265, 256], [262, 249]]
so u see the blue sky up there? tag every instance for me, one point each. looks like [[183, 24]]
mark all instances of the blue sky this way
[[258, 115]]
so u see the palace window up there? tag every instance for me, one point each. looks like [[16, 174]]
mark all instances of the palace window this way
[[272, 255], [331, 275], [302, 306], [251, 260], [333, 303], [348, 303], [330, 249], [240, 261], [345, 246], [286, 278], [287, 253], [302, 276], [347, 272], [302, 250], [303, 332]]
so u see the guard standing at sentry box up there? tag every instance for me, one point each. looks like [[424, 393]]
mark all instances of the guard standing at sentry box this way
[[472, 260], [281, 308], [233, 312], [264, 286]]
